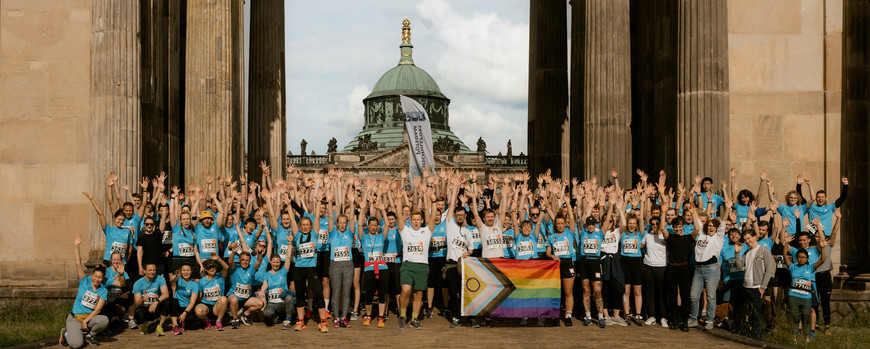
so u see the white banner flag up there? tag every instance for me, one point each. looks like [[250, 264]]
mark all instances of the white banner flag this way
[[419, 137]]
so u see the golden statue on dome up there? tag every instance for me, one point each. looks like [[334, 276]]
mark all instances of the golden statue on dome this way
[[406, 31]]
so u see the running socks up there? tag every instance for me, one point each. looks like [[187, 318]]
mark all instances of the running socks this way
[[402, 311], [568, 314]]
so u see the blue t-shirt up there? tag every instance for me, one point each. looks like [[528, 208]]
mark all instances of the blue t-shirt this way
[[438, 243], [322, 225], [825, 213], [136, 223], [787, 212], [207, 239], [241, 280], [393, 244], [766, 242], [718, 201], [803, 279], [525, 246], [544, 228], [117, 239], [183, 245], [629, 244], [340, 244], [729, 257], [88, 297], [282, 241], [590, 243], [276, 285], [507, 241], [812, 255], [562, 244], [109, 284], [211, 289], [149, 290], [373, 250], [305, 247], [183, 291]]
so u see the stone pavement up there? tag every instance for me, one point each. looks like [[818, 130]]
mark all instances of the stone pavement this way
[[435, 333]]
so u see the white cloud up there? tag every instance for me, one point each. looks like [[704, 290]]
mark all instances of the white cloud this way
[[485, 55], [355, 112], [469, 123]]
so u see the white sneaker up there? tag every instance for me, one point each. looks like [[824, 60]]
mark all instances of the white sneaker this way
[[650, 321], [693, 323], [610, 322], [132, 324], [619, 321], [664, 322], [709, 325]]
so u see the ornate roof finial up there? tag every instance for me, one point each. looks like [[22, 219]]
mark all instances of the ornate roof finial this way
[[406, 31]]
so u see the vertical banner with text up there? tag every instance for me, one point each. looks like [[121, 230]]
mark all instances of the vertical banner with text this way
[[419, 138]]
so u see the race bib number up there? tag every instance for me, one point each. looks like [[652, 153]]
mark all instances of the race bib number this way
[[508, 241], [306, 250], [90, 299], [475, 235], [493, 242], [414, 248], [590, 246], [560, 248], [211, 294], [742, 221], [780, 261], [275, 295], [209, 246], [341, 254], [703, 243], [390, 257], [610, 239], [150, 298], [120, 248], [460, 244], [732, 264], [282, 251], [629, 246], [113, 294], [437, 242], [242, 291], [185, 250], [322, 236], [167, 237], [525, 248], [802, 286], [376, 256], [540, 244]]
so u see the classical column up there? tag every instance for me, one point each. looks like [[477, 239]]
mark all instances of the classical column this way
[[855, 135], [267, 94], [548, 86], [115, 125], [212, 112], [606, 63], [702, 90], [154, 36]]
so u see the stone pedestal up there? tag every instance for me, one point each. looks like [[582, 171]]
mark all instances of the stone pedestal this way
[[213, 101], [702, 91], [115, 125], [548, 87], [267, 94]]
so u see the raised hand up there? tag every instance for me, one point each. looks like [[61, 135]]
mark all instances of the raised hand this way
[[845, 180], [837, 213], [613, 173], [78, 240], [125, 187], [763, 175], [144, 184], [208, 177], [800, 179], [88, 195], [733, 172]]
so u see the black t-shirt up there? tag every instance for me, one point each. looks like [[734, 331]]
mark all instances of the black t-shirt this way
[[152, 248], [679, 248]]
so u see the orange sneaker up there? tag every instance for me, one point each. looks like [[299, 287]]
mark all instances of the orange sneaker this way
[[381, 323], [299, 326], [323, 327], [367, 321]]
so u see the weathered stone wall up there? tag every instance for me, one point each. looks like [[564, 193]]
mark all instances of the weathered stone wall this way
[[44, 146], [785, 61]]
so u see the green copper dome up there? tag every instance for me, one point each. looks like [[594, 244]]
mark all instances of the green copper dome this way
[[406, 78]]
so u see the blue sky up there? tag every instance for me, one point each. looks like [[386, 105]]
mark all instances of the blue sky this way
[[476, 50]]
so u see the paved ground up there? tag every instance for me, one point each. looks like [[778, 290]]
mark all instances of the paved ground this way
[[436, 333]]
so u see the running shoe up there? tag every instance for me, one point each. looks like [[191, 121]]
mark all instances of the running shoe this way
[[402, 323], [602, 323], [323, 327], [540, 322], [664, 323], [234, 324], [568, 322], [299, 326], [367, 321], [708, 326], [287, 325], [207, 325], [651, 321], [812, 335], [684, 327], [145, 328], [345, 323], [524, 322], [62, 340], [93, 340], [132, 324], [587, 321], [609, 321], [354, 316], [176, 330], [456, 323], [415, 324], [381, 323], [308, 313], [328, 314], [556, 323], [335, 323], [245, 320], [693, 323], [219, 325], [475, 323], [160, 331], [429, 313], [619, 321], [827, 331]]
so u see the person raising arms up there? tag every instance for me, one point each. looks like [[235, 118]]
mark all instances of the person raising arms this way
[[85, 318]]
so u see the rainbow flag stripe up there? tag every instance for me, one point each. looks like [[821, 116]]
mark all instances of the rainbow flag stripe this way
[[510, 288]]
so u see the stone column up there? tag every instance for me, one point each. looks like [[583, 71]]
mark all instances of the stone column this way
[[211, 110], [702, 90], [548, 86], [855, 135], [115, 125], [606, 63], [153, 84], [267, 93]]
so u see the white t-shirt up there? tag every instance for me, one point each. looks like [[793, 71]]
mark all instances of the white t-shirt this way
[[415, 244], [748, 257], [491, 241], [707, 246], [656, 250], [610, 243], [458, 240]]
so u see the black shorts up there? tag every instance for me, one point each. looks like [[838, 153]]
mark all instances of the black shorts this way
[[323, 264], [590, 269], [632, 268], [357, 258], [210, 310], [175, 263], [566, 268], [543, 256], [435, 266], [477, 252], [782, 278]]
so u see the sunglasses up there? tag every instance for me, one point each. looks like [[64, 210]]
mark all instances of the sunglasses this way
[[149, 224], [535, 214]]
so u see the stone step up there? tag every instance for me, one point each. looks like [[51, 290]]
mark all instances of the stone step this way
[[859, 282]]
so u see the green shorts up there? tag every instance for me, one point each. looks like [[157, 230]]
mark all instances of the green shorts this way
[[414, 274]]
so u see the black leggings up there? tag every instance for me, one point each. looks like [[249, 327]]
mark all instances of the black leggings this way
[[825, 285], [395, 285], [380, 284], [142, 314], [678, 276], [454, 284], [654, 291], [303, 278]]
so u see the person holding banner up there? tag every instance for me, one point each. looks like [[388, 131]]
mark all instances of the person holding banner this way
[[458, 247]]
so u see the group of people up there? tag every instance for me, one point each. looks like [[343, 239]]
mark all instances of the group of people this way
[[330, 245]]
